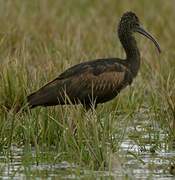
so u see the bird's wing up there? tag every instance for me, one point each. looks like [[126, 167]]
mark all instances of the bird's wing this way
[[98, 81], [96, 67]]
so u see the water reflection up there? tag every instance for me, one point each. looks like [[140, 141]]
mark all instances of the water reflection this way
[[140, 162]]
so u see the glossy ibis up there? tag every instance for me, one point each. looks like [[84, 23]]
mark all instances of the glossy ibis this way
[[97, 81]]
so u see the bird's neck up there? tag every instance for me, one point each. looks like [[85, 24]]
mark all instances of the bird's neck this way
[[132, 52]]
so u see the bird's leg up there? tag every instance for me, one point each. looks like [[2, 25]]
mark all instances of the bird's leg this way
[[88, 106]]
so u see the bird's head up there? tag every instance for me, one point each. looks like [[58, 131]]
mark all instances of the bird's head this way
[[130, 23]]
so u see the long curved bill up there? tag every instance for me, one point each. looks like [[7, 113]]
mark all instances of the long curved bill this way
[[149, 36]]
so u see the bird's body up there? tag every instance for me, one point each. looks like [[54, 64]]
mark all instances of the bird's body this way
[[88, 83], [97, 81]]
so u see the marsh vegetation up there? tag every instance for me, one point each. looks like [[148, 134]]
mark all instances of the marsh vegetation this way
[[135, 131]]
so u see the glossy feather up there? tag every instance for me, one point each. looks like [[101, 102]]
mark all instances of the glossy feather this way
[[88, 83], [98, 81]]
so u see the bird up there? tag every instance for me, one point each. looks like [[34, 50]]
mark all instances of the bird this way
[[96, 81]]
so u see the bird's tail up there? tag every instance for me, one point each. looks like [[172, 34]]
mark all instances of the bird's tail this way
[[46, 96], [33, 100]]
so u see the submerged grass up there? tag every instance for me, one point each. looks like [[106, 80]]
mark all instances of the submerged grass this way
[[39, 39]]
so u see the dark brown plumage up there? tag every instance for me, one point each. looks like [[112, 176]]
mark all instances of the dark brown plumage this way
[[98, 81]]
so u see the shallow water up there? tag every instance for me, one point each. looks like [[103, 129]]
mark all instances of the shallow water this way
[[140, 161], [148, 165], [147, 154]]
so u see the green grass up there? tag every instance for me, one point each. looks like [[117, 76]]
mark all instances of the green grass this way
[[40, 39]]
